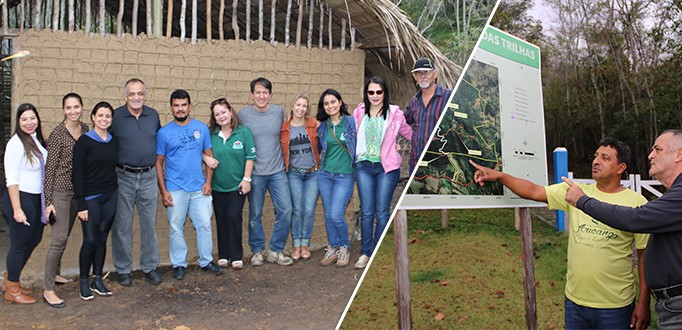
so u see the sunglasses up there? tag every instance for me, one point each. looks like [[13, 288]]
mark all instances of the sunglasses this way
[[379, 92]]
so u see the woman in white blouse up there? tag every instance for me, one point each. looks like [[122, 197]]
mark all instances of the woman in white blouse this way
[[22, 204]]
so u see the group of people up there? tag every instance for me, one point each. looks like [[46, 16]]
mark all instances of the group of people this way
[[101, 175]]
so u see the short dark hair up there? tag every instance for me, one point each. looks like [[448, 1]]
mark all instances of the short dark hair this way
[[321, 115], [71, 95], [263, 82], [623, 153], [180, 94]]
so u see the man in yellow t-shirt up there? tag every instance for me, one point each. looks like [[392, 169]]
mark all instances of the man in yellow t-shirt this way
[[600, 284]]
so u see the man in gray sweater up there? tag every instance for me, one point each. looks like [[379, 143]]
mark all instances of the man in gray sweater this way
[[265, 120]]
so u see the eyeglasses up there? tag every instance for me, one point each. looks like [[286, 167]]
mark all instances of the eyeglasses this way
[[371, 93]]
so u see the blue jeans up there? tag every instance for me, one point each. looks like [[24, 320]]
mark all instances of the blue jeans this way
[[669, 313], [142, 191], [278, 185], [335, 190], [375, 188], [581, 317], [200, 212], [304, 192]]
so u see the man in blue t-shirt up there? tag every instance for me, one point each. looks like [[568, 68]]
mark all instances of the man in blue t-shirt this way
[[179, 146]]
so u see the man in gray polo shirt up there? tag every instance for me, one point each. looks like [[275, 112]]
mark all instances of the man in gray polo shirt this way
[[265, 120], [135, 125]]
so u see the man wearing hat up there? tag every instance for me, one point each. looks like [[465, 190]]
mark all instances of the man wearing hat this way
[[425, 108]]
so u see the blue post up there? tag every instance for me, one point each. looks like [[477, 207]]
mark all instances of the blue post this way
[[560, 169]]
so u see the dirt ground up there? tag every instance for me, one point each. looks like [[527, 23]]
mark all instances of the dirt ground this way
[[302, 296]]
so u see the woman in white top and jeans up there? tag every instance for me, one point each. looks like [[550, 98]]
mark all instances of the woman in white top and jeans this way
[[22, 204]]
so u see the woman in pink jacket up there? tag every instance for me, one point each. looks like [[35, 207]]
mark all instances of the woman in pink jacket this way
[[378, 169]]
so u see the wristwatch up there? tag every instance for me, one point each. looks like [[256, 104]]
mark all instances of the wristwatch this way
[[247, 179]]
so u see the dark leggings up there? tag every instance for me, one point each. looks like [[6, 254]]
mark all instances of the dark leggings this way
[[228, 217], [23, 238], [101, 212]]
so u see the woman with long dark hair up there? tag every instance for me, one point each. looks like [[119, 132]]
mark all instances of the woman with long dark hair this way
[[335, 181], [379, 124], [59, 196], [22, 204], [95, 185]]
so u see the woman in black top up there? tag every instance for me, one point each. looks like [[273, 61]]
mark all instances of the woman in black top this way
[[95, 156]]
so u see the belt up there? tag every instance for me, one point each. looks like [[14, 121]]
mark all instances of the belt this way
[[304, 170], [669, 292], [135, 169]]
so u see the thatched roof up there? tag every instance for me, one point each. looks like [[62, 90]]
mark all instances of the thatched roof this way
[[382, 29]]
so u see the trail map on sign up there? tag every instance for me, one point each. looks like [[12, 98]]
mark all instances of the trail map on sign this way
[[494, 118], [470, 129]]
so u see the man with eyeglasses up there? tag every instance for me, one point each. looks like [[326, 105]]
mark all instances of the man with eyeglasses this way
[[135, 125], [425, 108]]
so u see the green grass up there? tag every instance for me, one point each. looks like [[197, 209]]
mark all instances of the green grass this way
[[471, 273]]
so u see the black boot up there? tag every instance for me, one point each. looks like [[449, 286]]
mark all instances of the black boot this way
[[86, 293], [98, 286]]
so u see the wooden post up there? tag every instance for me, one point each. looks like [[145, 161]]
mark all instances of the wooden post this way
[[22, 16], [260, 19], [352, 38], [136, 9], [169, 19], [149, 17], [402, 270], [517, 218], [235, 25], [330, 28], [88, 16], [310, 24], [343, 34], [444, 218], [321, 44], [248, 20], [119, 17], [194, 21], [36, 18], [183, 11], [208, 21], [102, 13], [72, 16], [299, 24], [62, 14], [273, 15], [157, 21], [221, 20], [286, 24], [528, 268], [56, 4]]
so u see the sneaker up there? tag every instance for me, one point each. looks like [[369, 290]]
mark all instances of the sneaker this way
[[362, 262], [344, 256], [153, 277], [257, 259], [329, 256], [211, 267], [98, 286], [85, 291], [179, 273], [279, 258], [223, 263], [125, 279], [237, 264]]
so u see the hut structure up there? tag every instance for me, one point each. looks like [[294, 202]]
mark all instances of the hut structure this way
[[212, 48]]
